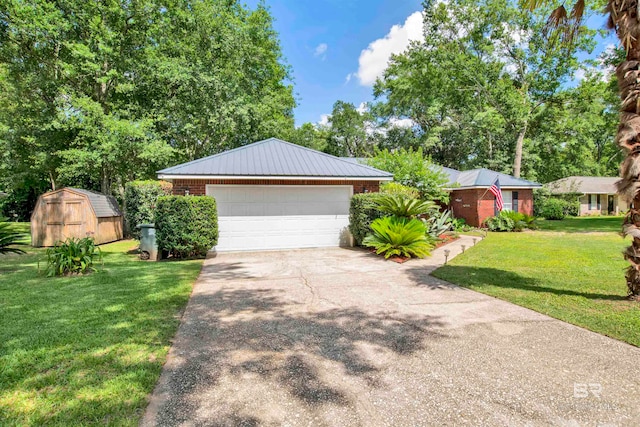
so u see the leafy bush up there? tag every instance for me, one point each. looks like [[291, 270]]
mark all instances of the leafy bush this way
[[398, 205], [73, 256], [396, 188], [542, 196], [362, 212], [9, 238], [510, 221], [459, 224], [140, 201], [186, 226], [438, 223], [553, 209], [398, 236], [412, 169], [571, 207]]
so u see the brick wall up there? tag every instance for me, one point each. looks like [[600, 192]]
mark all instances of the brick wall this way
[[476, 205], [197, 187]]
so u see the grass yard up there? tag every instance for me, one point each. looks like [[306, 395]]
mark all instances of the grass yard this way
[[578, 278], [86, 350], [583, 224]]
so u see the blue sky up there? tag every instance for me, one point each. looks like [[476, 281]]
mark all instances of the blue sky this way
[[336, 48]]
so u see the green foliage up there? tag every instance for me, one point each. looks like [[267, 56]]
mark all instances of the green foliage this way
[[395, 188], [73, 256], [398, 236], [438, 223], [402, 206], [510, 221], [459, 224], [9, 238], [553, 209], [541, 197], [140, 201], [186, 226], [410, 168], [347, 136], [362, 212]]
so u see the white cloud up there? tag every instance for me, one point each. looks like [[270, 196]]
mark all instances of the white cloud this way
[[324, 119], [362, 108], [401, 123], [348, 78], [321, 50], [375, 58]]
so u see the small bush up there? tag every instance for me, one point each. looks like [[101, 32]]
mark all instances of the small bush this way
[[9, 238], [140, 201], [362, 212], [186, 226], [395, 188], [73, 256], [438, 223], [499, 223], [553, 209], [510, 221], [459, 224], [399, 236], [571, 207]]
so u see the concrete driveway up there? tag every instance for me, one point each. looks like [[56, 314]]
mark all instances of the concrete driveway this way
[[340, 337]]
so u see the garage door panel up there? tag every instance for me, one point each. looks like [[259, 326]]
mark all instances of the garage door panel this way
[[281, 217]]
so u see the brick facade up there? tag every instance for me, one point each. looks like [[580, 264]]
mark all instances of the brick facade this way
[[477, 204], [197, 187]]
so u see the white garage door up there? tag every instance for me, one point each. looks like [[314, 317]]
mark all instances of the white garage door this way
[[281, 217]]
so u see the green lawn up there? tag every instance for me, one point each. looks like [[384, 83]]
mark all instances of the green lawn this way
[[578, 278], [583, 224], [86, 350]]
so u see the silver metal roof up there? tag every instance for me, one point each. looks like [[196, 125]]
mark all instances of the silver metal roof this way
[[104, 206], [485, 178], [274, 158], [584, 185]]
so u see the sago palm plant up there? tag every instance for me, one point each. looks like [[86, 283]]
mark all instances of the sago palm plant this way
[[402, 206], [398, 236], [9, 238]]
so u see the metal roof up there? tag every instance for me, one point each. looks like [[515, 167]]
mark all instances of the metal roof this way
[[584, 185], [273, 158], [104, 206], [485, 178]]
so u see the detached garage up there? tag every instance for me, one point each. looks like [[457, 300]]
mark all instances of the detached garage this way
[[276, 195]]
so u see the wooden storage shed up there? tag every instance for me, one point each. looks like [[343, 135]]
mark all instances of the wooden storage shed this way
[[72, 212]]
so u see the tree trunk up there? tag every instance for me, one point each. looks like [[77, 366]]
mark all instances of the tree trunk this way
[[623, 17], [517, 161]]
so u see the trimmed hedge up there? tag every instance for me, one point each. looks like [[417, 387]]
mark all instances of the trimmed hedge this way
[[362, 212], [186, 226], [140, 200]]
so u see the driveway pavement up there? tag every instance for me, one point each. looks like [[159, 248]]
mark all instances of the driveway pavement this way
[[340, 337]]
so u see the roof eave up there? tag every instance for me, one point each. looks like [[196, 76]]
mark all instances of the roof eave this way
[[170, 177]]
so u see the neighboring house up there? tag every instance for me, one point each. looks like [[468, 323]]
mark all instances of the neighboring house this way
[[597, 194], [472, 201], [276, 195]]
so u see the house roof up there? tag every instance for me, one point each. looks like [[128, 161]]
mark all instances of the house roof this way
[[584, 185], [273, 158], [485, 178], [104, 206]]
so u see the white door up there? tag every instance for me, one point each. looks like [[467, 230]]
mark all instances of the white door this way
[[258, 217]]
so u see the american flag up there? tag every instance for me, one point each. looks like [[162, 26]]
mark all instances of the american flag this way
[[497, 192]]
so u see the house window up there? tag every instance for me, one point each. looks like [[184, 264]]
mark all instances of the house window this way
[[594, 201], [507, 199], [514, 203]]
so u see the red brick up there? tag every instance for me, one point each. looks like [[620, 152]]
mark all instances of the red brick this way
[[197, 187]]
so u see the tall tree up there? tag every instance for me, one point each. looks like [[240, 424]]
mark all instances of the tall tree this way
[[477, 80], [347, 135]]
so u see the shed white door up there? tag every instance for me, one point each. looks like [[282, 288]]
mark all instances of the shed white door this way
[[254, 217]]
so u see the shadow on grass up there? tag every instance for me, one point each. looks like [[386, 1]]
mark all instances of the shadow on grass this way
[[233, 334], [478, 277]]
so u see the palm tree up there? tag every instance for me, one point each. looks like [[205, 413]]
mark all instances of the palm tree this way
[[624, 19]]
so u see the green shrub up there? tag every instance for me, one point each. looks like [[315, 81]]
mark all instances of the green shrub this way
[[571, 207], [362, 212], [398, 236], [553, 209], [398, 205], [9, 238], [73, 256], [186, 226], [540, 197], [438, 223], [499, 223], [459, 224], [140, 201], [510, 221], [399, 189]]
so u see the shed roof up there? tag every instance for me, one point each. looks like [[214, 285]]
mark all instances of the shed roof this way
[[273, 158], [104, 206], [485, 178], [584, 185]]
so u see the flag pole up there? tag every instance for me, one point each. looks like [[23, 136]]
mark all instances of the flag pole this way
[[485, 191]]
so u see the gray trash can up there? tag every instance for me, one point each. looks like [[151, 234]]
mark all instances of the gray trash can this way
[[148, 246]]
